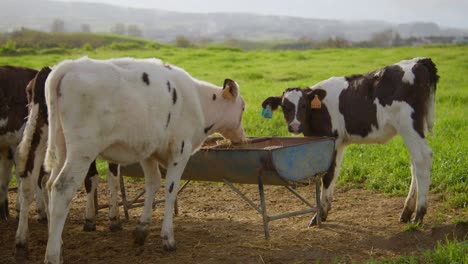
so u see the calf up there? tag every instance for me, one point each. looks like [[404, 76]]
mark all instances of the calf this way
[[126, 111], [370, 108], [13, 112], [31, 152]]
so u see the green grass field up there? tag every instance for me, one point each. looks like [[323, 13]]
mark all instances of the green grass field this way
[[265, 73]]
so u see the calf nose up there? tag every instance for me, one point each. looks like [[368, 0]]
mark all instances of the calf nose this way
[[295, 128]]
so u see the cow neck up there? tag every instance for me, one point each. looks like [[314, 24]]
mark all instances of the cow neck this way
[[213, 109]]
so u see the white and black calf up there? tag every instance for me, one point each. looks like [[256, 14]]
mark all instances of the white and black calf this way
[[126, 111], [31, 153], [13, 113], [370, 108]]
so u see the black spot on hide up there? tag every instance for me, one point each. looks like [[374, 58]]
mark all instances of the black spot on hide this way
[[168, 86], [174, 96], [207, 129], [145, 78], [168, 120]]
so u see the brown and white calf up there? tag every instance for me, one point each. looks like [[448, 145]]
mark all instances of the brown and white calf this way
[[370, 108], [13, 113], [31, 153], [125, 111]]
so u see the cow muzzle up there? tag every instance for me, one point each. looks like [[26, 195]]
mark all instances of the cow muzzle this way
[[236, 136], [295, 128]]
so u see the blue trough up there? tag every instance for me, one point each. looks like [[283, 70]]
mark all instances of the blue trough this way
[[282, 161]]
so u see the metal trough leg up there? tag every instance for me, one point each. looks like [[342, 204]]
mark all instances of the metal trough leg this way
[[176, 206], [263, 205]]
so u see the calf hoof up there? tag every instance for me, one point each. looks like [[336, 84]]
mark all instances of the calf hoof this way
[[405, 216], [89, 226], [140, 235], [167, 245], [21, 252], [314, 219], [115, 226], [418, 218], [41, 219]]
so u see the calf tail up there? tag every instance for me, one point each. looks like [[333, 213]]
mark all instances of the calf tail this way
[[24, 147], [52, 93], [36, 117], [433, 79]]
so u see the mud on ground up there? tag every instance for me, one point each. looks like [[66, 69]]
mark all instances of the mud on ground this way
[[215, 225]]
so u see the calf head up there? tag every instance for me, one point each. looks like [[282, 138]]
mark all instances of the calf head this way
[[297, 105], [230, 125], [294, 103]]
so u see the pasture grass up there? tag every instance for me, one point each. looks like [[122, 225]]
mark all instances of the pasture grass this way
[[412, 227], [264, 73], [447, 252]]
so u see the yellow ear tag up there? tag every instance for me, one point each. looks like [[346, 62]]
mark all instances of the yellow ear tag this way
[[315, 103]]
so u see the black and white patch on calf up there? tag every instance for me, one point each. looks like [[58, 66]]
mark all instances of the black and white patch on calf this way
[[370, 108]]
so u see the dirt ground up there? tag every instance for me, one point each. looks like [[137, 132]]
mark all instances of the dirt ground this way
[[215, 225]]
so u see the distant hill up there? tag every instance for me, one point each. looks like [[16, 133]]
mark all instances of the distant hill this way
[[165, 25]]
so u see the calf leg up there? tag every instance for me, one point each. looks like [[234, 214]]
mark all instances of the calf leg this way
[[91, 184], [175, 168], [421, 163], [410, 203], [113, 175], [27, 190], [6, 163], [40, 200], [328, 185], [62, 191], [152, 185]]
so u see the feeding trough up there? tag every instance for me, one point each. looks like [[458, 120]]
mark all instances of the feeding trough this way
[[282, 161]]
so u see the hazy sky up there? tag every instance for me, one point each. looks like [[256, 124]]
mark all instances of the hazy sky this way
[[453, 13]]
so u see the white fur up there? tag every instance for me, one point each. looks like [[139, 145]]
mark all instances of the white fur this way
[[25, 144], [407, 67], [294, 97], [3, 122], [111, 112]]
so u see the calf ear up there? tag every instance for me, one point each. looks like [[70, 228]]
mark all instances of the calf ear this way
[[316, 96], [230, 89], [273, 102]]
